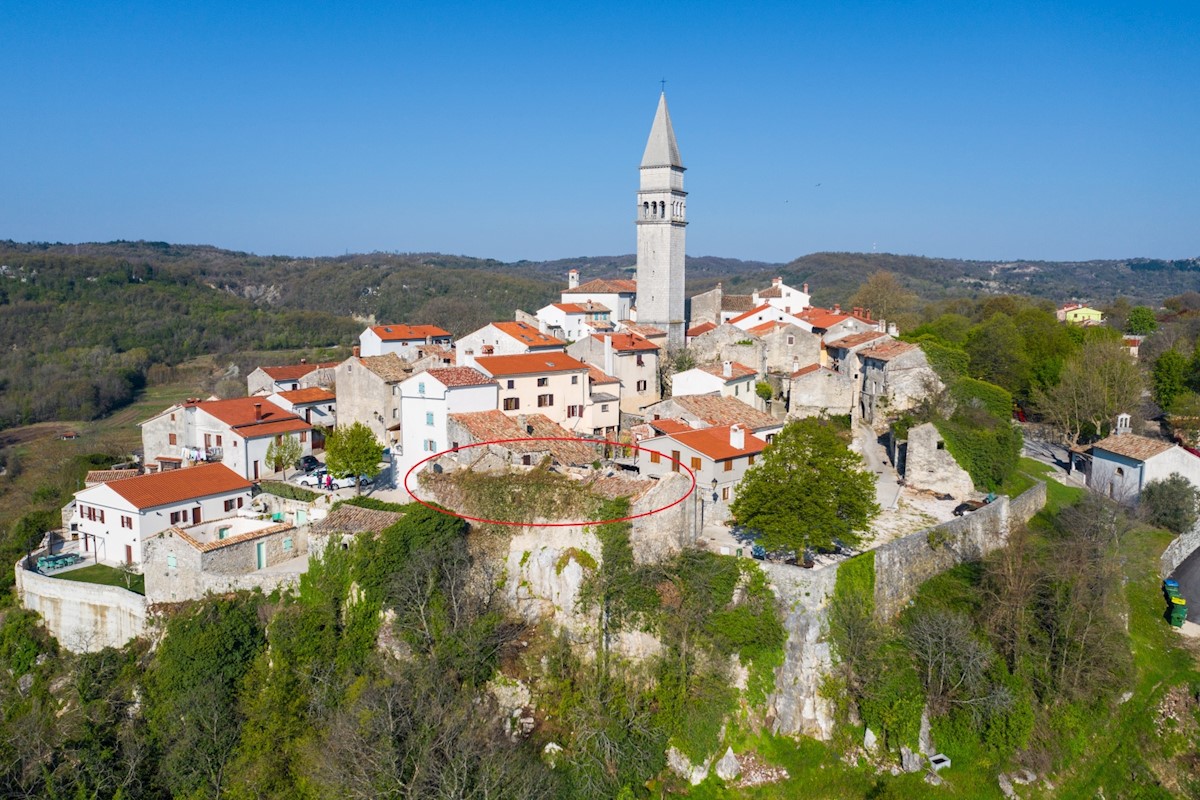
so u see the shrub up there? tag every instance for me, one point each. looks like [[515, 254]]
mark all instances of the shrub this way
[[288, 491], [1170, 503]]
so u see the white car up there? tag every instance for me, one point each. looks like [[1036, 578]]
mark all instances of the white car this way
[[317, 480]]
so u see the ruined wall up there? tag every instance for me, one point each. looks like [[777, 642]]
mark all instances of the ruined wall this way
[[661, 535], [83, 617], [929, 465], [820, 391]]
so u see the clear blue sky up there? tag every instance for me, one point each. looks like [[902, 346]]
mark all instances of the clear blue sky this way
[[963, 129]]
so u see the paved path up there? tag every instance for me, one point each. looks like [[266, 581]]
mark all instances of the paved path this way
[[1188, 575], [887, 490]]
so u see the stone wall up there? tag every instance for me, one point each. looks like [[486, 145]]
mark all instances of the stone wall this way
[[929, 465], [1178, 550], [1024, 506], [83, 617], [820, 391], [662, 534]]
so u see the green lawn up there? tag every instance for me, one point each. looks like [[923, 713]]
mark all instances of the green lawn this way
[[106, 575], [1057, 495]]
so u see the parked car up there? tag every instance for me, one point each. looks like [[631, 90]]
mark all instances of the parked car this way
[[307, 463], [317, 480], [962, 509]]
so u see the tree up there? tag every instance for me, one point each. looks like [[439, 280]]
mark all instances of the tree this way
[[998, 356], [808, 490], [1097, 383], [1141, 321], [353, 450], [1169, 377], [282, 453], [1170, 503], [884, 296]]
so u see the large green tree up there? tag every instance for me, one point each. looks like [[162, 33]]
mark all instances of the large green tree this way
[[1141, 321], [808, 490], [282, 453], [998, 355], [353, 450], [1169, 376]]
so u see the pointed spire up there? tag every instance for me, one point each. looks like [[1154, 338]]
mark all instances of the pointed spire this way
[[661, 149]]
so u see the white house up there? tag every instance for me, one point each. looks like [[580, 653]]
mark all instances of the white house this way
[[719, 458], [317, 406], [728, 379], [602, 415], [573, 321], [505, 339], [267, 380], [427, 399], [630, 358], [114, 518], [762, 314], [1123, 463], [618, 294], [404, 340], [554, 384], [784, 297]]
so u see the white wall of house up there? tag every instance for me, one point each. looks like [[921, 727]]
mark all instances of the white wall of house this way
[[1122, 478], [698, 381], [477, 344], [117, 524], [427, 403], [319, 415], [769, 314], [618, 303], [791, 300], [371, 344], [562, 397], [727, 473]]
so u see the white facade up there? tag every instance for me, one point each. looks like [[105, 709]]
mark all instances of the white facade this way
[[426, 402], [561, 394], [569, 321], [784, 297], [701, 381], [767, 313], [319, 414], [718, 472], [504, 339], [1122, 477], [403, 340], [661, 227], [609, 294]]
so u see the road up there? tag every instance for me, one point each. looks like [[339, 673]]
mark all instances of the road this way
[[1188, 575], [887, 490]]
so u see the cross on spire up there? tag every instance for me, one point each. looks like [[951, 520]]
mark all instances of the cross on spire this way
[[663, 82]]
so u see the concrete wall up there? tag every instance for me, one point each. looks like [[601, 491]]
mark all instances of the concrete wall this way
[[83, 617]]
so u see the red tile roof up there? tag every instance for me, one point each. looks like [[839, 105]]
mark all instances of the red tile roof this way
[[810, 369], [216, 544], [856, 339], [703, 327], [586, 307], [314, 394], [397, 333], [738, 371], [459, 376], [605, 286], [752, 312], [669, 425], [644, 330], [179, 485], [390, 367], [714, 443], [766, 327], [95, 476], [529, 364], [1131, 445], [888, 350], [243, 419], [822, 317], [295, 372], [528, 335], [626, 342], [717, 410], [597, 375]]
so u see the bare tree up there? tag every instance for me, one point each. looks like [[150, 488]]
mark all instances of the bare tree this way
[[1096, 384]]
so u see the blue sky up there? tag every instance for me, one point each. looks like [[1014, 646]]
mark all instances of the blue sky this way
[[514, 130]]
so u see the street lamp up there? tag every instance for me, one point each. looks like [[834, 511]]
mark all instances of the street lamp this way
[[714, 499]]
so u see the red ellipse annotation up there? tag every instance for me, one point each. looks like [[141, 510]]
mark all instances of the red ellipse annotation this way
[[417, 468]]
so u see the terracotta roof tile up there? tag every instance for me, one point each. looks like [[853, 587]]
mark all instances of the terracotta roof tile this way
[[703, 327], [644, 330], [527, 335], [529, 364], [886, 351], [397, 333], [1130, 445], [217, 544], [598, 376], [96, 476], [717, 410], [179, 485], [856, 339], [626, 342], [714, 443], [491, 426], [774, 291], [811, 368], [605, 286], [669, 425], [313, 394], [737, 302], [586, 307], [244, 419], [738, 371], [352, 519], [752, 312], [459, 376], [295, 372], [390, 367]]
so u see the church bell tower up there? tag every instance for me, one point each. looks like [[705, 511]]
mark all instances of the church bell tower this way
[[661, 224]]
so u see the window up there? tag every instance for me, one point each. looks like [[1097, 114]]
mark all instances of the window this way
[[655, 457], [428, 417], [172, 418], [510, 384], [222, 533], [287, 544], [527, 461], [695, 463], [941, 445], [641, 386], [545, 400], [604, 406], [737, 390], [229, 504], [171, 560], [430, 446], [303, 437], [791, 339], [750, 459], [102, 515], [543, 381], [172, 439], [574, 411], [512, 403], [729, 465], [725, 493], [641, 362], [421, 387], [218, 440], [126, 522], [574, 380], [239, 502], [395, 413], [178, 516], [674, 461], [207, 440]]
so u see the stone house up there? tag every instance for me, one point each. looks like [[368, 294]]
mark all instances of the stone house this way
[[718, 456], [841, 354], [369, 392], [552, 383], [727, 343], [630, 358], [116, 518], [521, 440], [187, 562], [345, 522], [896, 377], [505, 339], [236, 432], [717, 307], [269, 380], [428, 399], [926, 464], [708, 410], [727, 379], [1123, 463], [814, 389], [785, 347], [406, 341]]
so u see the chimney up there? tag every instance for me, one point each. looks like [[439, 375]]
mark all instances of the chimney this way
[[304, 361], [357, 350], [608, 354], [776, 282], [837, 308], [257, 412], [573, 279], [727, 369], [737, 436], [892, 329], [805, 288], [795, 364]]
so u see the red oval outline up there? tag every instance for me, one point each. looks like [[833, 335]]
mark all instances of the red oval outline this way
[[422, 462]]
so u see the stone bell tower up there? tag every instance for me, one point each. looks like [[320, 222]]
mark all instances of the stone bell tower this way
[[661, 224]]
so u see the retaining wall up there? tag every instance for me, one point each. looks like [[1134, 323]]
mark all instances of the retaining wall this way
[[1178, 550], [83, 617]]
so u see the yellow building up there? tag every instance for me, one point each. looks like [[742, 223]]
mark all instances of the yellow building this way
[[1078, 314]]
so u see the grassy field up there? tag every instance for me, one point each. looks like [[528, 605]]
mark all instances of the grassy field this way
[[105, 575]]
